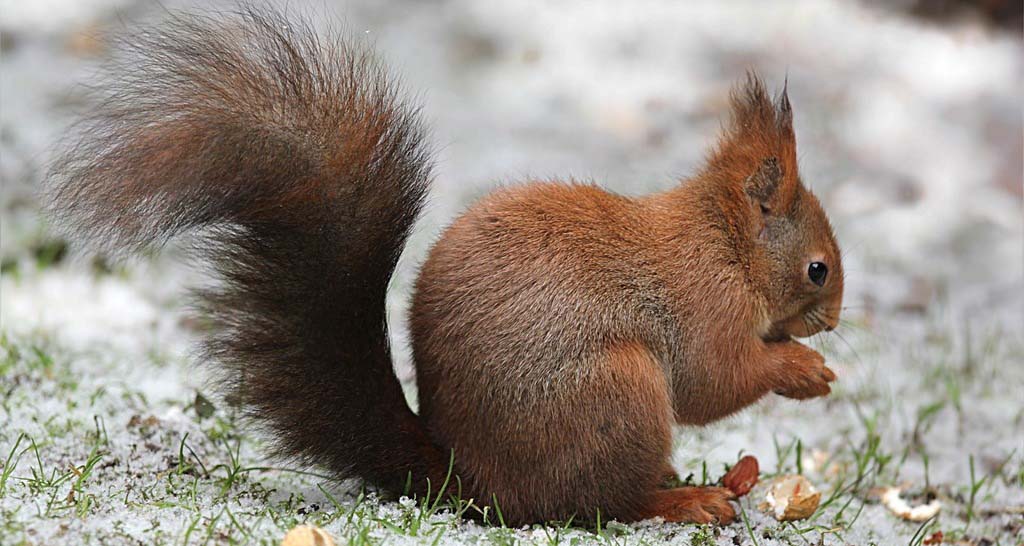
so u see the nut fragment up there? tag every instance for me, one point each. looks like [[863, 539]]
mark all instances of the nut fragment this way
[[792, 498], [892, 500], [742, 477], [305, 535]]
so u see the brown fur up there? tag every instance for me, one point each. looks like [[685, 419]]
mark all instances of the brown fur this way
[[558, 330], [521, 298]]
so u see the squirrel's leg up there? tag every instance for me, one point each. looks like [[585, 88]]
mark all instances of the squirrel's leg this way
[[630, 404], [593, 441], [691, 505], [637, 378]]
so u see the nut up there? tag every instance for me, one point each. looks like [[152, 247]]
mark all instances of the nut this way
[[742, 477], [894, 502], [305, 535], [792, 497]]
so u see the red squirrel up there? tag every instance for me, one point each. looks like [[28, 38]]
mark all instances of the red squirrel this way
[[559, 331]]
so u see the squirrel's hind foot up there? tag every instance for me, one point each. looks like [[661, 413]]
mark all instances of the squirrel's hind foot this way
[[692, 505]]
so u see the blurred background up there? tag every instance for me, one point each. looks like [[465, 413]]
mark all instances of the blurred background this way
[[908, 113], [909, 127]]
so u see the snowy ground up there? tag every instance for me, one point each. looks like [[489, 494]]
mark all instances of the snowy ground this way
[[909, 132]]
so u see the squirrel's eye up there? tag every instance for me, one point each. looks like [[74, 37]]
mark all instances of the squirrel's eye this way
[[817, 272]]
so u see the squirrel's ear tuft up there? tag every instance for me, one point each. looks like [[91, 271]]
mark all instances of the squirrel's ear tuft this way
[[758, 146], [750, 101], [785, 110], [757, 117]]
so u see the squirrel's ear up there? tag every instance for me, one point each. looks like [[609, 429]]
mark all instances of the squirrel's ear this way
[[758, 146], [764, 183]]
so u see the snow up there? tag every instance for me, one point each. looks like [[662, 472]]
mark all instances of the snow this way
[[910, 132]]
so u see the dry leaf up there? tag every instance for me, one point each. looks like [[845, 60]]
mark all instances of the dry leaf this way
[[305, 535], [742, 477], [792, 498]]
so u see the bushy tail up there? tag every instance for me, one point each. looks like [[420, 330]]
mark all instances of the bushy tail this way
[[301, 169]]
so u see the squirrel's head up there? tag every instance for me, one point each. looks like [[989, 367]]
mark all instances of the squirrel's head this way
[[794, 258]]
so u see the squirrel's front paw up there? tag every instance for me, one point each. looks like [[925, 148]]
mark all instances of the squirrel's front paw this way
[[801, 371]]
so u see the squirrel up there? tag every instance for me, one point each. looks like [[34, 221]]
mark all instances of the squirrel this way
[[558, 331]]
